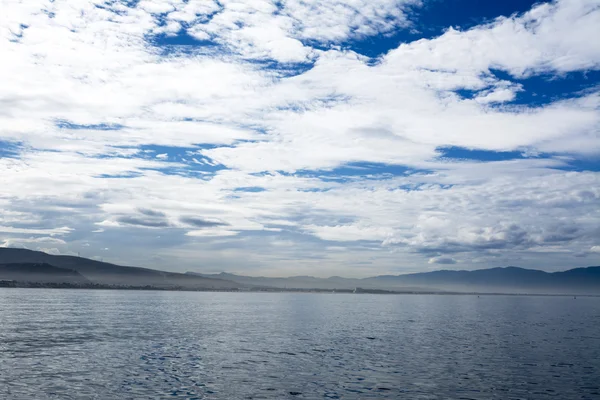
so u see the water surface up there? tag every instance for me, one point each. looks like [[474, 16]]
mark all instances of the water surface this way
[[101, 344]]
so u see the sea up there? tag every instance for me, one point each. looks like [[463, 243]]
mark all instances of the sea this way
[[121, 344]]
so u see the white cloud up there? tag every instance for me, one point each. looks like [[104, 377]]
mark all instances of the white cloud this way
[[442, 260], [352, 232], [550, 37], [266, 29], [211, 232], [22, 242]]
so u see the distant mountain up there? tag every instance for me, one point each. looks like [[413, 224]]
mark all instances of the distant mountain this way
[[493, 280], [36, 266], [294, 282], [103, 273], [505, 280], [305, 282], [42, 273]]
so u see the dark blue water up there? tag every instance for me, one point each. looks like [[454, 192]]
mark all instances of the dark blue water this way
[[86, 344]]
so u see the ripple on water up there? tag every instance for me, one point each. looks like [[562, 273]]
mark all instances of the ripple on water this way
[[119, 344]]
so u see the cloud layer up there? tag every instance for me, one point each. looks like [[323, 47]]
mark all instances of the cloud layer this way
[[254, 137]]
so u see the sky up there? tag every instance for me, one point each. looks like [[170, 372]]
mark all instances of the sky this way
[[302, 137]]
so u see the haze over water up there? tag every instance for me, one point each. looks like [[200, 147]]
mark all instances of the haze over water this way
[[71, 344]]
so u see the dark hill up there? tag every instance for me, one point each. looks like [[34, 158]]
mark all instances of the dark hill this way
[[112, 274], [42, 273]]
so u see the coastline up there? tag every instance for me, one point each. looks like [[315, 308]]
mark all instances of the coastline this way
[[358, 291]]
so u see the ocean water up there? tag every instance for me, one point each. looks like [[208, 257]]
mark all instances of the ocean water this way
[[101, 344]]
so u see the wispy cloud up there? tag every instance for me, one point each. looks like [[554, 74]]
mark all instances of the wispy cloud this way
[[33, 231]]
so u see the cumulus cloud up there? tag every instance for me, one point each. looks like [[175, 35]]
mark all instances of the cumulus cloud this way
[[547, 38]]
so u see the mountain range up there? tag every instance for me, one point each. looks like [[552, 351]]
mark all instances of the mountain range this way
[[35, 266], [492, 280]]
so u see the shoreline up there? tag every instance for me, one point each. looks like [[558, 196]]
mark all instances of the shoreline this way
[[93, 286]]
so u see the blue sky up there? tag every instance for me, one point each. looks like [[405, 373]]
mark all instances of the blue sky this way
[[340, 137]]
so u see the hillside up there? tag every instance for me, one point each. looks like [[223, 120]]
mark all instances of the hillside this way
[[42, 273], [112, 274]]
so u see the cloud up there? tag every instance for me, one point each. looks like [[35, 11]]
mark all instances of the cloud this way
[[155, 115], [34, 231], [143, 222], [152, 213], [201, 222], [211, 232], [277, 30], [42, 243], [442, 260], [23, 242], [350, 232], [547, 38]]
